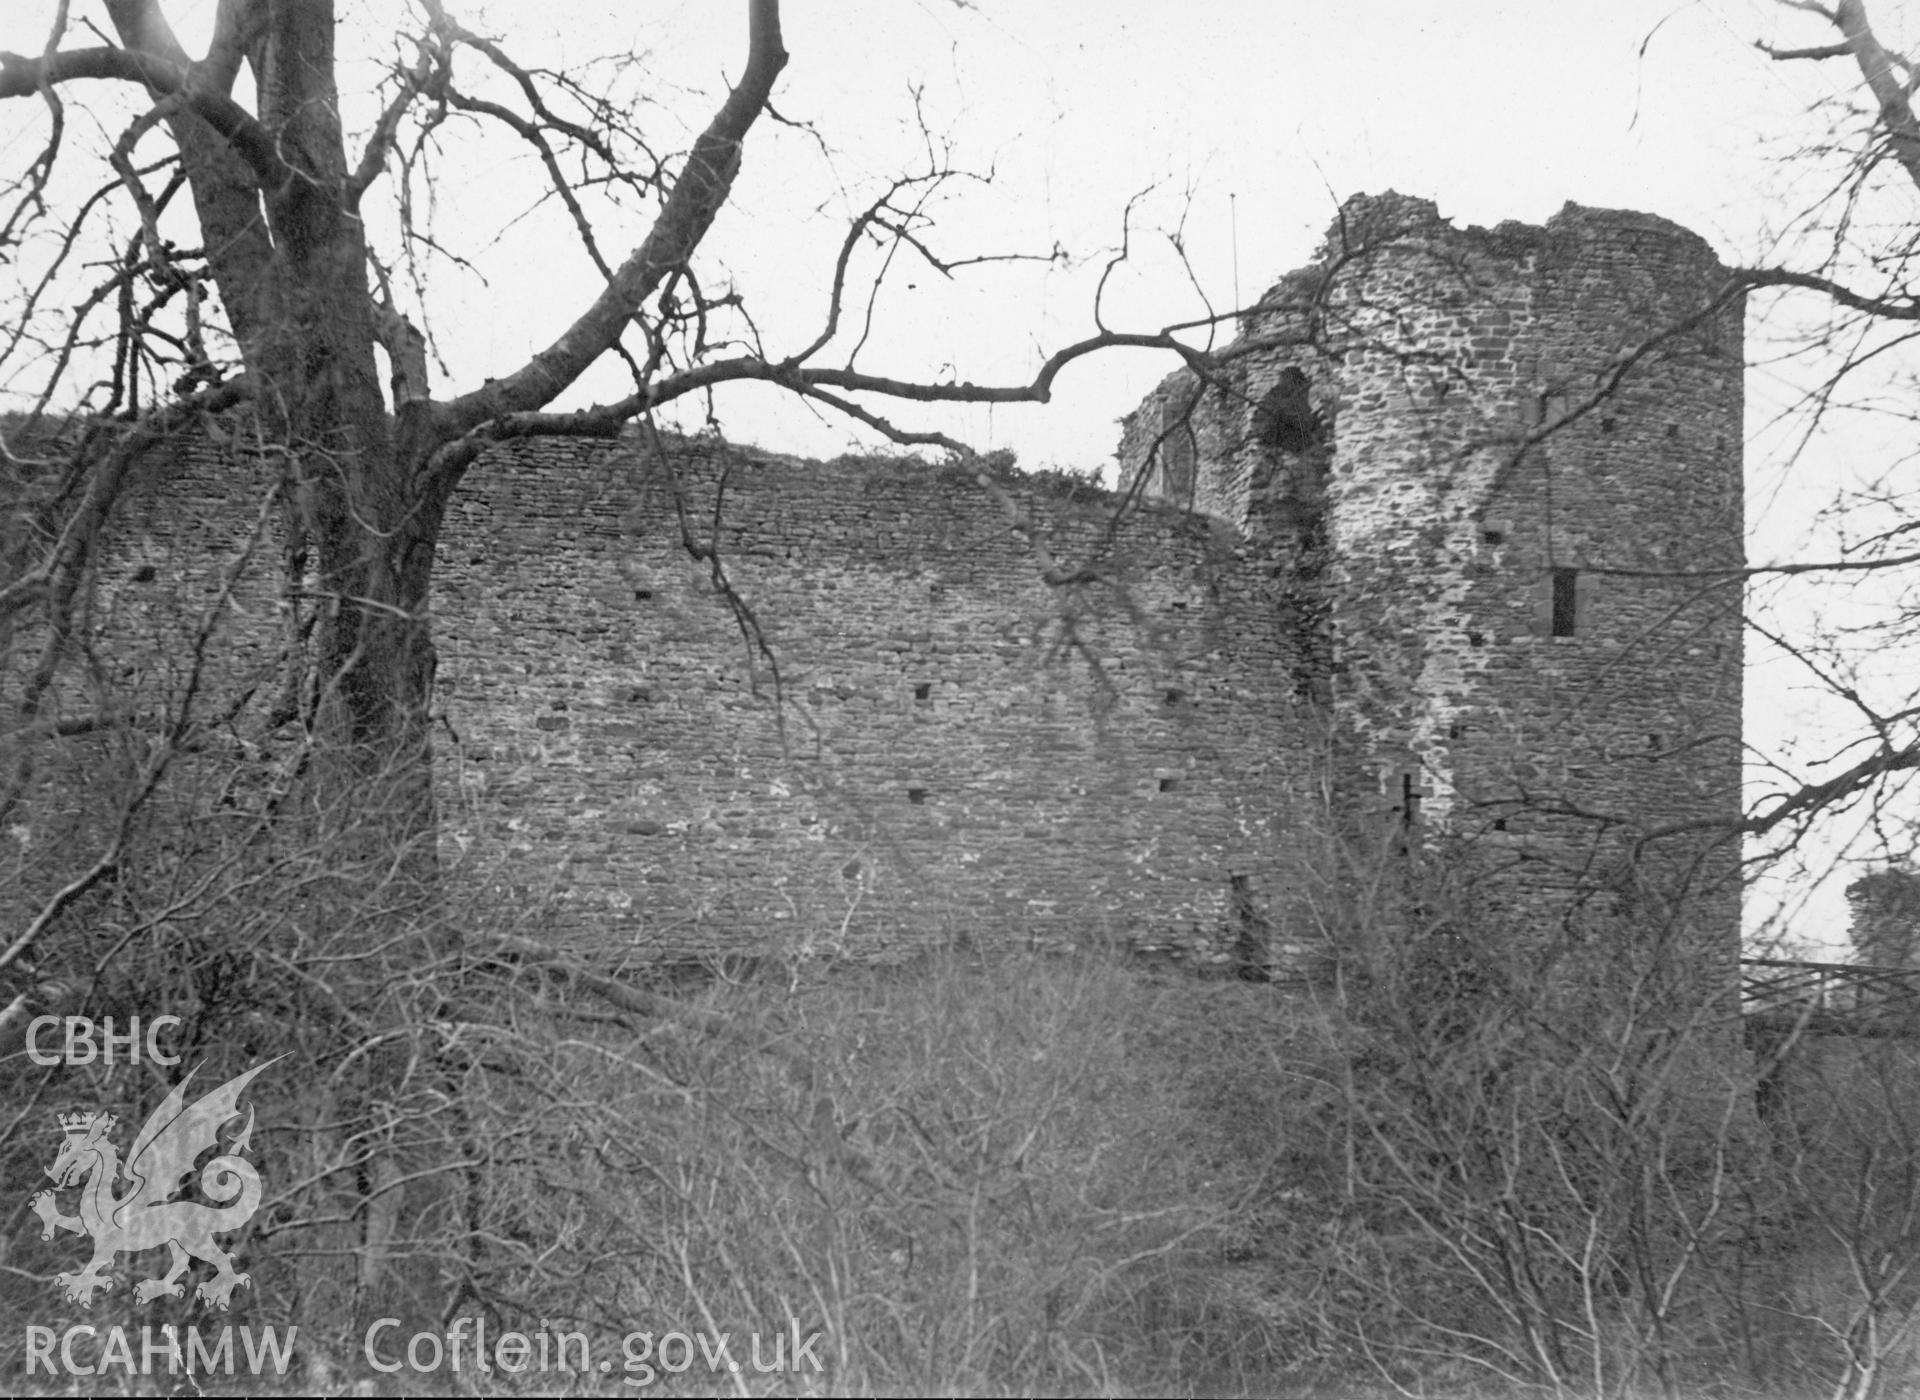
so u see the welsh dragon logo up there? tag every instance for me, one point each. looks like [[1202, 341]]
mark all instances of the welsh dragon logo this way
[[144, 1216]]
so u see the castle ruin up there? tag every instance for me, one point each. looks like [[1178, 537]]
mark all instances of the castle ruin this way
[[1442, 553]]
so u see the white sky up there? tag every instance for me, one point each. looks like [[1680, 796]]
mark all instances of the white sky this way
[[1244, 116], [1247, 120]]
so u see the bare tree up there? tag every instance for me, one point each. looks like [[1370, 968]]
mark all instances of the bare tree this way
[[254, 298], [284, 307]]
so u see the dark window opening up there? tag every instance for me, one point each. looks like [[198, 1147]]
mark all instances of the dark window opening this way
[[1285, 420], [923, 691], [1673, 430], [1500, 824], [1607, 425], [1476, 639], [1252, 933], [1173, 697], [641, 595], [1169, 784], [1176, 451], [917, 796], [1404, 791], [1566, 608], [1410, 795]]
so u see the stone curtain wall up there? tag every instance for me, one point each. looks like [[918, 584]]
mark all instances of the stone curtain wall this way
[[1483, 496], [180, 616], [954, 748]]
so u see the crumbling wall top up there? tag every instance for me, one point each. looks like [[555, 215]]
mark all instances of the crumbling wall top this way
[[1573, 217], [1370, 221]]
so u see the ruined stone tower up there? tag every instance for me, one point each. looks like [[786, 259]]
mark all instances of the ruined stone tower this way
[[1885, 905], [1500, 474]]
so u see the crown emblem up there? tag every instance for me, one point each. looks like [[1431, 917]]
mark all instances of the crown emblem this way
[[76, 1124]]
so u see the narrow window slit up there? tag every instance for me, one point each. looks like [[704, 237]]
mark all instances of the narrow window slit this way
[[1566, 608]]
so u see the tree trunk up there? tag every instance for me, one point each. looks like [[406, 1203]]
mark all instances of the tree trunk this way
[[369, 538], [362, 529], [357, 966], [364, 532]]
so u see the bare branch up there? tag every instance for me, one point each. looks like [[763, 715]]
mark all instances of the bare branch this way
[[1816, 796], [531, 133], [32, 186], [373, 159], [855, 232], [604, 420], [23, 77], [59, 575], [225, 186], [1811, 566], [904, 436], [1879, 70], [1839, 50], [699, 192], [155, 766], [406, 347], [1891, 309]]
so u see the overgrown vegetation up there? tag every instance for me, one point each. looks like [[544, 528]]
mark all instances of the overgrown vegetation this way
[[1000, 466], [1462, 1160]]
